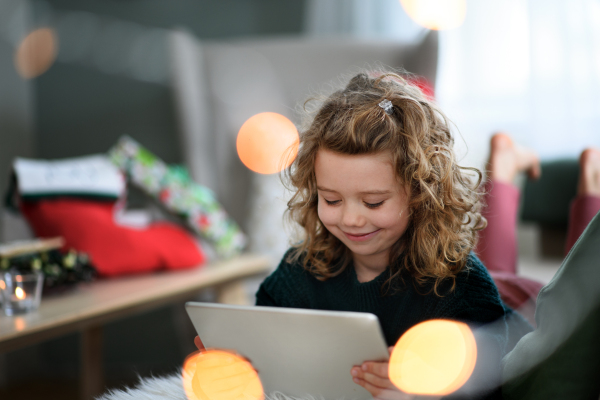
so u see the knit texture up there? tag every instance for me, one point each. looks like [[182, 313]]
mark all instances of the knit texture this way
[[474, 300]]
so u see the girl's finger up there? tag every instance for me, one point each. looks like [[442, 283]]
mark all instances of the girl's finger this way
[[198, 343], [378, 381], [374, 375], [377, 368]]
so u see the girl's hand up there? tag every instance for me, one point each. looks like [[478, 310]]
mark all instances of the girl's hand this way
[[374, 377]]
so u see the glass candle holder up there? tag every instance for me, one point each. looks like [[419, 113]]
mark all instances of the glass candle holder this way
[[20, 292]]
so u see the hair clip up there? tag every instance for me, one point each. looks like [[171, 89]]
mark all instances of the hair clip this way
[[387, 106]]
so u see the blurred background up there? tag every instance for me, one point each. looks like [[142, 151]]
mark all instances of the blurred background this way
[[75, 75]]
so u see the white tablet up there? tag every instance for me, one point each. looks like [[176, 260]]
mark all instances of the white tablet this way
[[295, 351]]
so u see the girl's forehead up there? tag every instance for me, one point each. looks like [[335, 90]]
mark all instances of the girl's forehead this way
[[383, 157], [362, 171]]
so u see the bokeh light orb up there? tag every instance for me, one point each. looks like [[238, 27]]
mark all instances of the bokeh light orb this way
[[267, 143], [220, 375], [435, 357], [36, 53], [436, 14], [188, 371]]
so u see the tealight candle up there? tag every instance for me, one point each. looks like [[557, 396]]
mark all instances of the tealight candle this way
[[20, 293]]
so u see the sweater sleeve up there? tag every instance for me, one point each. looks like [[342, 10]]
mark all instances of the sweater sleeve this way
[[287, 286]]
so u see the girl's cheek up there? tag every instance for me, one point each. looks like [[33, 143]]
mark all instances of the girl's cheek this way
[[326, 214]]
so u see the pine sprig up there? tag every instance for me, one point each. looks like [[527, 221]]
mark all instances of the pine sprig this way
[[59, 269]]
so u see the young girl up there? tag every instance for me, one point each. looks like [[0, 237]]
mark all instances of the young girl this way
[[389, 219]]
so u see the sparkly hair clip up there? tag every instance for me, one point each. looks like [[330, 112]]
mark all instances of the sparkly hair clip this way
[[387, 106]]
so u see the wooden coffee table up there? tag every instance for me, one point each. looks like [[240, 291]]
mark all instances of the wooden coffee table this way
[[89, 306]]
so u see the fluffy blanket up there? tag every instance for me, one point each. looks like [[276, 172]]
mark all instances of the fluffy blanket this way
[[170, 388]]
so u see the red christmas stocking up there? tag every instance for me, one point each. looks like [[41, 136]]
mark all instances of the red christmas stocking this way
[[89, 226]]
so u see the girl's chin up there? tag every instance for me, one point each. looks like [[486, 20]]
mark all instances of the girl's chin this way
[[363, 249], [367, 249]]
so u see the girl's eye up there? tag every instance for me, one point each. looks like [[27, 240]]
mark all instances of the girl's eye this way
[[373, 205], [331, 203]]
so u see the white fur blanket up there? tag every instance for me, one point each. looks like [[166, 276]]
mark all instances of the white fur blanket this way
[[170, 388]]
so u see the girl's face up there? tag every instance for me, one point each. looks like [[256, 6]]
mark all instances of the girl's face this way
[[362, 203]]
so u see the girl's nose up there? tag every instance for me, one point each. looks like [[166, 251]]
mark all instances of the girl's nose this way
[[352, 217]]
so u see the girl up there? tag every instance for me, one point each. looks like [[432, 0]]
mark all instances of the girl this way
[[389, 220]]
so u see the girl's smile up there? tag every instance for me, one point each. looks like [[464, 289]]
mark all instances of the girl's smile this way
[[358, 237], [362, 203]]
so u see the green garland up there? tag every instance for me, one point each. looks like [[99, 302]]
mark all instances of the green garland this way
[[60, 269]]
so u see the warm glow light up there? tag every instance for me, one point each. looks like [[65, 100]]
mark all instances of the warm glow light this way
[[2, 285], [36, 53], [189, 368], [20, 324], [220, 375], [267, 143], [436, 14], [20, 293], [435, 357]]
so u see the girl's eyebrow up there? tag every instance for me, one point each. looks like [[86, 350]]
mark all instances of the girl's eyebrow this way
[[376, 192], [365, 192]]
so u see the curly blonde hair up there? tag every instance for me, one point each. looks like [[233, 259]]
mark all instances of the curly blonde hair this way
[[444, 201]]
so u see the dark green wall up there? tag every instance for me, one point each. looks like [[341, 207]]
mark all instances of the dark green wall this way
[[205, 18], [82, 111]]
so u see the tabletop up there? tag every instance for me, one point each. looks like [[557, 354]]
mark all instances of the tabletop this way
[[106, 299]]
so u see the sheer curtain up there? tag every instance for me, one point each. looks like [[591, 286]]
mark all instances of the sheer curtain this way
[[360, 18], [530, 67]]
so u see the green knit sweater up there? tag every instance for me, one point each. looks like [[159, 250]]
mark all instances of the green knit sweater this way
[[475, 299]]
